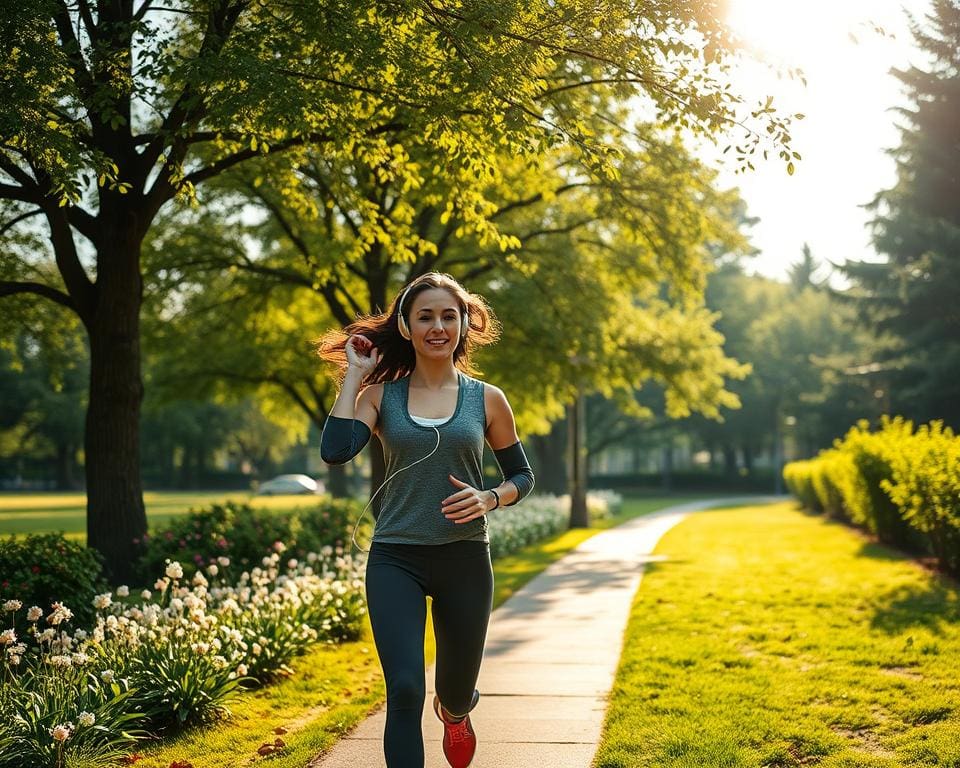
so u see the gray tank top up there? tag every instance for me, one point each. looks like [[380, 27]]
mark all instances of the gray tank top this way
[[410, 508]]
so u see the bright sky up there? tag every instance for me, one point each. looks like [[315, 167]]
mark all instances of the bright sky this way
[[848, 124]]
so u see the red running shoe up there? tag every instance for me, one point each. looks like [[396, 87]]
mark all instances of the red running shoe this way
[[459, 739]]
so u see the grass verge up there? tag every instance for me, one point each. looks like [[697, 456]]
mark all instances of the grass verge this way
[[337, 686], [772, 638], [23, 513]]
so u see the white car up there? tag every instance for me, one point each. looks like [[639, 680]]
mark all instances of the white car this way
[[290, 484]]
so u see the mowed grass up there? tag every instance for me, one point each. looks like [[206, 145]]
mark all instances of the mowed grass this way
[[770, 637], [334, 687], [23, 513]]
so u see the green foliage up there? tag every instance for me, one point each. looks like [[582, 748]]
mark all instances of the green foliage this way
[[869, 504], [246, 535], [900, 484], [798, 477], [67, 698], [40, 569], [924, 483], [828, 475]]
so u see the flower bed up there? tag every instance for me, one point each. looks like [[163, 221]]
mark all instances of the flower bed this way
[[167, 660], [539, 516]]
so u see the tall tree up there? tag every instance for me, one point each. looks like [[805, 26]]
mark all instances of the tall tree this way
[[912, 294]]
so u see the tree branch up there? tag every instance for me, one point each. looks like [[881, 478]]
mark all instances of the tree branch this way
[[13, 222], [88, 19], [535, 198], [12, 288], [83, 292], [219, 27], [71, 46]]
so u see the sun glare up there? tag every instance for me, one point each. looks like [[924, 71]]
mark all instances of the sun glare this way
[[793, 33]]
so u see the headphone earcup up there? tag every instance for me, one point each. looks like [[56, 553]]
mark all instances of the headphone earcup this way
[[402, 326]]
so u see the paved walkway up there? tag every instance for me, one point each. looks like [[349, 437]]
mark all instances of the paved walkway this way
[[551, 654]]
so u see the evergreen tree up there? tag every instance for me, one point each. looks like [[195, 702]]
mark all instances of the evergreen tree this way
[[912, 294]]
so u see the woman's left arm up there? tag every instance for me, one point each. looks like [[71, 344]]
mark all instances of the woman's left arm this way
[[469, 503]]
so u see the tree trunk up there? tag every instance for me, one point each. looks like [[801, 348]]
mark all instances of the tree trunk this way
[[337, 481], [748, 457], [551, 459], [64, 466], [115, 512], [578, 465], [666, 472], [729, 460]]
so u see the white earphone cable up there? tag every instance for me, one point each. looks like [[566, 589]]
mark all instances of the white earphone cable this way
[[353, 537]]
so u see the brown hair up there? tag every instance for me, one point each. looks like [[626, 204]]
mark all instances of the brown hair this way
[[397, 358]]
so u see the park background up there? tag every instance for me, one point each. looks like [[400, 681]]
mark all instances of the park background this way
[[183, 217]]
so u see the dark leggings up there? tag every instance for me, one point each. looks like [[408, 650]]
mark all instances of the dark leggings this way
[[459, 577]]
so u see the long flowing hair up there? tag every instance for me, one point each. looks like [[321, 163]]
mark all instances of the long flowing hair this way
[[397, 358]]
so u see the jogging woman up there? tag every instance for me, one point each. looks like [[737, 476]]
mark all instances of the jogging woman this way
[[408, 379]]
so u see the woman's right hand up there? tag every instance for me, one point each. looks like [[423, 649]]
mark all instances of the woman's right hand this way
[[361, 354]]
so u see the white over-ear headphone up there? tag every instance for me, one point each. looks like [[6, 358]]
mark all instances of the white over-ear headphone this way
[[405, 329]]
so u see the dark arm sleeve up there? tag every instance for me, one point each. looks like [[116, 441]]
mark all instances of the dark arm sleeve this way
[[515, 468], [342, 439]]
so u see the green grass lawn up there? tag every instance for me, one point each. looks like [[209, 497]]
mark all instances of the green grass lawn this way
[[334, 687], [23, 513], [773, 638]]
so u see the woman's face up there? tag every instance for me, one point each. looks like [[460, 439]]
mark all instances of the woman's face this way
[[435, 323]]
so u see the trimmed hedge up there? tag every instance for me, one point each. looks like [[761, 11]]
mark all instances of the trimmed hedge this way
[[40, 569], [901, 485], [246, 534]]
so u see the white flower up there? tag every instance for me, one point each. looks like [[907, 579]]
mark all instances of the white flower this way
[[8, 637], [212, 569], [12, 605], [218, 662], [80, 658], [257, 649], [241, 669], [107, 676], [34, 613], [61, 732], [146, 594], [123, 590], [102, 601], [279, 546], [60, 614], [80, 635], [60, 661], [292, 563], [199, 579], [86, 719], [223, 561], [174, 570]]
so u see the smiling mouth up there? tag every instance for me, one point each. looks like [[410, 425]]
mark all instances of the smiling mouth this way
[[437, 342]]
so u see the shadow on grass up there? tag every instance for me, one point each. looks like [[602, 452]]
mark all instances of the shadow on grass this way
[[934, 607]]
